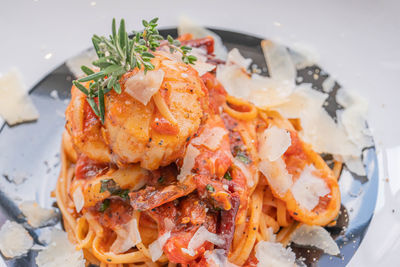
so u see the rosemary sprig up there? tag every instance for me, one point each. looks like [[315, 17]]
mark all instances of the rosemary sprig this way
[[119, 54]]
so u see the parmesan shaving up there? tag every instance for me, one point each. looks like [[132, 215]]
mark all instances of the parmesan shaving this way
[[217, 258], [60, 252], [36, 215], [15, 104], [270, 254], [277, 175], [210, 138], [262, 91], [187, 26], [14, 240], [203, 67], [328, 84], [128, 236], [156, 248], [143, 86], [317, 236], [303, 55], [309, 188], [273, 142], [318, 128], [202, 235], [279, 62], [245, 170], [79, 199], [234, 57], [188, 162]]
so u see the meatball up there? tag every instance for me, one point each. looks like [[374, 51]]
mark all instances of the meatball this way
[[137, 132]]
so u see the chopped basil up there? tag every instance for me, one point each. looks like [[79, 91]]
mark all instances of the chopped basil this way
[[210, 188], [228, 176], [111, 186], [104, 205]]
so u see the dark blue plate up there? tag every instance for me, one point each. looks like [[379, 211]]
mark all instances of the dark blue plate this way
[[31, 151]]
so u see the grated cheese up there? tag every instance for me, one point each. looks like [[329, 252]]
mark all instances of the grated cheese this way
[[245, 170], [277, 175], [79, 199], [128, 236], [316, 236], [15, 104], [279, 62], [60, 252], [235, 58], [188, 162], [156, 248], [202, 235], [217, 258], [36, 215], [143, 86], [270, 254], [210, 138], [14, 240], [273, 143], [309, 188]]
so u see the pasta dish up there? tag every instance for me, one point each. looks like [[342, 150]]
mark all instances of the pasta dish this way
[[161, 166]]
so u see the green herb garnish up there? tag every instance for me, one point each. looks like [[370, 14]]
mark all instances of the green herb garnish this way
[[161, 179], [241, 155], [119, 54], [210, 188], [111, 186], [104, 205], [228, 176]]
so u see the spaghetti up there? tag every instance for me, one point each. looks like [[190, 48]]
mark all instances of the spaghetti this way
[[130, 212]]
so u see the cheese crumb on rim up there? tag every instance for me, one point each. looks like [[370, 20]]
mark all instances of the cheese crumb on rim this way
[[36, 215], [271, 254], [15, 104], [308, 188], [14, 240], [317, 236], [60, 252]]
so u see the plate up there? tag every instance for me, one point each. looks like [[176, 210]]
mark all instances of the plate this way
[[30, 159]]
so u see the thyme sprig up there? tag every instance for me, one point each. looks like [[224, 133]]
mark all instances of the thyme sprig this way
[[119, 54]]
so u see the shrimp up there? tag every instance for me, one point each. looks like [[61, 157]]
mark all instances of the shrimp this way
[[138, 133], [183, 220], [210, 166]]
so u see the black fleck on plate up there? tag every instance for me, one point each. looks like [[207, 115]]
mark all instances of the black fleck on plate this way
[[30, 153]]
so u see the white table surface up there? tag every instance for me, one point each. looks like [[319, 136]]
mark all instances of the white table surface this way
[[358, 42]]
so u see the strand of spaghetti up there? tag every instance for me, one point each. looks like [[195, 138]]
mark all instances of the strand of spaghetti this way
[[272, 223], [281, 213], [263, 226], [272, 117], [90, 258], [163, 108], [142, 248], [240, 255], [61, 197], [109, 257], [84, 235], [239, 108], [284, 235], [337, 169]]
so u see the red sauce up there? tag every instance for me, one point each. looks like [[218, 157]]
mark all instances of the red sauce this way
[[117, 213], [216, 91], [295, 156], [163, 126], [86, 168], [206, 42]]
